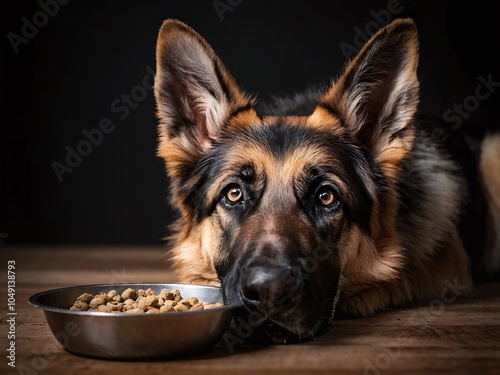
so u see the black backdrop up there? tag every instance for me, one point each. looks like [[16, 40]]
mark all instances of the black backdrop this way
[[82, 69]]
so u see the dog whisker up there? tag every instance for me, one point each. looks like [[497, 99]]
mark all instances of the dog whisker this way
[[274, 209]]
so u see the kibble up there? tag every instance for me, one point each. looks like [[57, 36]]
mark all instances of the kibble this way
[[80, 305], [85, 297], [96, 302], [129, 294], [140, 301]]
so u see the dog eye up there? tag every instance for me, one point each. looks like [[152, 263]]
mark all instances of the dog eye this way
[[234, 194], [325, 197]]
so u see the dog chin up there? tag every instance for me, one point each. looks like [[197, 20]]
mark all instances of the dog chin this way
[[271, 333], [268, 331]]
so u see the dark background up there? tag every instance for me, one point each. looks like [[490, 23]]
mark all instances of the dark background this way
[[65, 79]]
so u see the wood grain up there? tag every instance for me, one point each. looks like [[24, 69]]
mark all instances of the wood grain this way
[[459, 336]]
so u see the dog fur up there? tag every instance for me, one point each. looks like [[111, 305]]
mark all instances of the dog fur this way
[[349, 170]]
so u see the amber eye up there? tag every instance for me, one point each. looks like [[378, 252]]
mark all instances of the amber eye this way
[[234, 194], [325, 197]]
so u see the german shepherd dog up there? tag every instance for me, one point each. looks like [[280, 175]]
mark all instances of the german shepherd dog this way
[[335, 201]]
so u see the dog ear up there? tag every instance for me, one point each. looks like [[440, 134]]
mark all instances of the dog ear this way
[[195, 95], [376, 96]]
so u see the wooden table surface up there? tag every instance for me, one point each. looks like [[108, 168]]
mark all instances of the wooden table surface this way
[[459, 336]]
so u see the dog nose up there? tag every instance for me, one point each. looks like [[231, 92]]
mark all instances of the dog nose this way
[[270, 289]]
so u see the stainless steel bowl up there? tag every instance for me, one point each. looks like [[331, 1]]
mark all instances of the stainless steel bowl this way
[[134, 336]]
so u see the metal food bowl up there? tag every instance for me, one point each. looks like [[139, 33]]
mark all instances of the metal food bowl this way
[[134, 336]]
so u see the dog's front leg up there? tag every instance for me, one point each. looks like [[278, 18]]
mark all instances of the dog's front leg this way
[[440, 274], [372, 299]]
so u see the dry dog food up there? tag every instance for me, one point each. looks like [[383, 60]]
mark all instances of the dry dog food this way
[[140, 301]]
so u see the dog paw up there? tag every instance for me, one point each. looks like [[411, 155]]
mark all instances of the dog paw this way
[[364, 303]]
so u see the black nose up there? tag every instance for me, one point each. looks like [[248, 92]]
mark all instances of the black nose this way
[[270, 289]]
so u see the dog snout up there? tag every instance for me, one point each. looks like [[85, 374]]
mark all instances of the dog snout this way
[[272, 290]]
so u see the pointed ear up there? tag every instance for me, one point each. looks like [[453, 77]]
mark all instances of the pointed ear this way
[[377, 95], [195, 95]]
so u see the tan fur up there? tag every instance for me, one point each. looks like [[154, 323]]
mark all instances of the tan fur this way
[[388, 153], [376, 270], [322, 119], [174, 36], [194, 252], [490, 172]]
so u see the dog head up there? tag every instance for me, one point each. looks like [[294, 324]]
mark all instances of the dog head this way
[[286, 211]]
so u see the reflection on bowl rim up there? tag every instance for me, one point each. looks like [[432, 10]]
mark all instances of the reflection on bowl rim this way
[[33, 301]]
